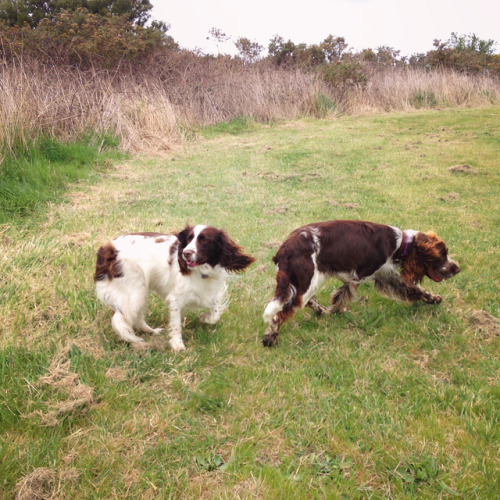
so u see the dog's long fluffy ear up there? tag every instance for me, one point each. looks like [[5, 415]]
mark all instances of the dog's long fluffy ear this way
[[232, 257], [182, 237], [424, 250], [107, 265]]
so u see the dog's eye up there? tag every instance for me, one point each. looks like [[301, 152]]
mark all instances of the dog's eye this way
[[201, 237], [189, 238]]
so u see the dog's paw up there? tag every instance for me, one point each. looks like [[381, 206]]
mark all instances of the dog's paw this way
[[208, 318], [270, 340], [157, 331], [177, 345]]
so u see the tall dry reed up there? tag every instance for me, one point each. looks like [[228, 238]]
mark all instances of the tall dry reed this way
[[149, 110], [409, 89]]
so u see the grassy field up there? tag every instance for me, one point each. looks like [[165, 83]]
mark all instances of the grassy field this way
[[388, 400]]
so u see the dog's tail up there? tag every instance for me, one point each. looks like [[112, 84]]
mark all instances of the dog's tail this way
[[107, 265]]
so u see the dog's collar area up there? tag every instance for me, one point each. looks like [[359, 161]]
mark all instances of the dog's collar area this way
[[404, 248]]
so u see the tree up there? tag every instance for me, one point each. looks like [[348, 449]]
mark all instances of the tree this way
[[334, 48], [32, 12], [80, 38], [283, 53], [464, 53], [249, 51], [219, 37], [471, 43]]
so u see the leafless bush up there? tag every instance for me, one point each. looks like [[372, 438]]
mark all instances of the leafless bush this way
[[408, 89], [149, 107]]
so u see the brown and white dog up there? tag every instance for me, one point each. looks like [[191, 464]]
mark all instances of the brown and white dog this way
[[188, 270], [353, 252]]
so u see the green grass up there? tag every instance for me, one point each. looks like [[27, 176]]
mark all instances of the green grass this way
[[386, 401], [38, 173]]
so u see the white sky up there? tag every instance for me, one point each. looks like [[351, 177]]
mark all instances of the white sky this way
[[408, 26]]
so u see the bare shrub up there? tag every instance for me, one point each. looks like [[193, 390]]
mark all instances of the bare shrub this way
[[406, 89], [68, 103], [150, 106]]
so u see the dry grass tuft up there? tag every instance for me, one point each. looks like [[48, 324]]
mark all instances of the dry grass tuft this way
[[486, 323], [79, 396], [464, 169], [44, 483]]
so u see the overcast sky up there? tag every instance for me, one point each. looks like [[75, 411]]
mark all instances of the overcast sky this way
[[406, 25]]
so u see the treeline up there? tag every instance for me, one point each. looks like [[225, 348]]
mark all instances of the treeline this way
[[97, 72], [115, 33], [70, 67]]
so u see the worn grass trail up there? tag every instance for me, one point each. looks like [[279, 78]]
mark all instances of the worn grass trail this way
[[387, 400]]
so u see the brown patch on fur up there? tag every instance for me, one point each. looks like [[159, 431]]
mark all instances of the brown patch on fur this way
[[160, 240], [107, 265], [172, 252]]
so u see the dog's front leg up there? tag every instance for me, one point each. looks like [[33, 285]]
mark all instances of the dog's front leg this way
[[175, 326], [395, 288], [212, 316]]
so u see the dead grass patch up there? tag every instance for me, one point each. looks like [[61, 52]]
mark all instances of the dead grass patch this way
[[463, 169], [350, 206], [78, 396], [44, 483], [273, 243], [273, 176], [117, 374], [450, 197], [249, 488], [486, 323]]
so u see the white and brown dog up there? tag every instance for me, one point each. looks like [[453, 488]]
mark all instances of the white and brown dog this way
[[188, 270], [354, 252]]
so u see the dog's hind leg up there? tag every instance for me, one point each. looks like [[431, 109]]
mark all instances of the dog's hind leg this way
[[144, 327], [394, 287], [123, 328], [270, 338], [341, 297], [317, 307], [140, 323]]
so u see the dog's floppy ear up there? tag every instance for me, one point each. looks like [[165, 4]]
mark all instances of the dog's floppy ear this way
[[424, 250], [182, 237], [232, 257]]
